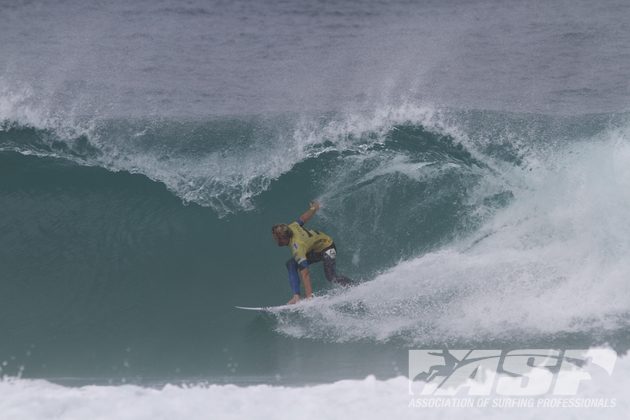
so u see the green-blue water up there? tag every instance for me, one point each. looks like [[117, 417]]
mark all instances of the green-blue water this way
[[110, 276]]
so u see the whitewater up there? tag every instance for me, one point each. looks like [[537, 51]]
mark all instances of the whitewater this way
[[368, 398]]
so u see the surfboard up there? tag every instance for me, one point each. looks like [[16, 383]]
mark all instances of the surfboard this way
[[266, 308], [303, 303]]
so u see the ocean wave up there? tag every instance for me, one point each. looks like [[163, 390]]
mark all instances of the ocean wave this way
[[440, 216]]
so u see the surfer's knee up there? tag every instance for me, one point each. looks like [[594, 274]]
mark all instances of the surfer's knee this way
[[330, 274], [329, 269]]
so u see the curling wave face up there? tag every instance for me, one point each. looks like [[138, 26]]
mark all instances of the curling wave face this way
[[456, 223]]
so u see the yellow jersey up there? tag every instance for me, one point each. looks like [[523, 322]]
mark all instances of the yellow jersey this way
[[306, 240]]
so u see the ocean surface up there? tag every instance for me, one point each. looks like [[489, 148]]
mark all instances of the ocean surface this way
[[472, 160]]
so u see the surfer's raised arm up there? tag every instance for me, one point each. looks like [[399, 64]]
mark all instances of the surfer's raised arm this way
[[308, 214]]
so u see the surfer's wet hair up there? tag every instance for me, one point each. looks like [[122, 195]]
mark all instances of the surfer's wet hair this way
[[281, 231]]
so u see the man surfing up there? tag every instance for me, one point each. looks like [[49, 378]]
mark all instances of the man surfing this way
[[308, 246]]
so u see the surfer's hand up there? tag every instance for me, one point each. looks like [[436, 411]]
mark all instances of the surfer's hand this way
[[295, 299], [314, 205]]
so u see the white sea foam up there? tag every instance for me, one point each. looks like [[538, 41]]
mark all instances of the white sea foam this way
[[369, 398]]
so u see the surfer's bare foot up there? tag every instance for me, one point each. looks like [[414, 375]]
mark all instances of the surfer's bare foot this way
[[295, 299]]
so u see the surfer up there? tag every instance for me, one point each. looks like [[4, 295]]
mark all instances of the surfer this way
[[308, 246]]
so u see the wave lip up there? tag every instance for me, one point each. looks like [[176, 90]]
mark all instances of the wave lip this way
[[222, 163]]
